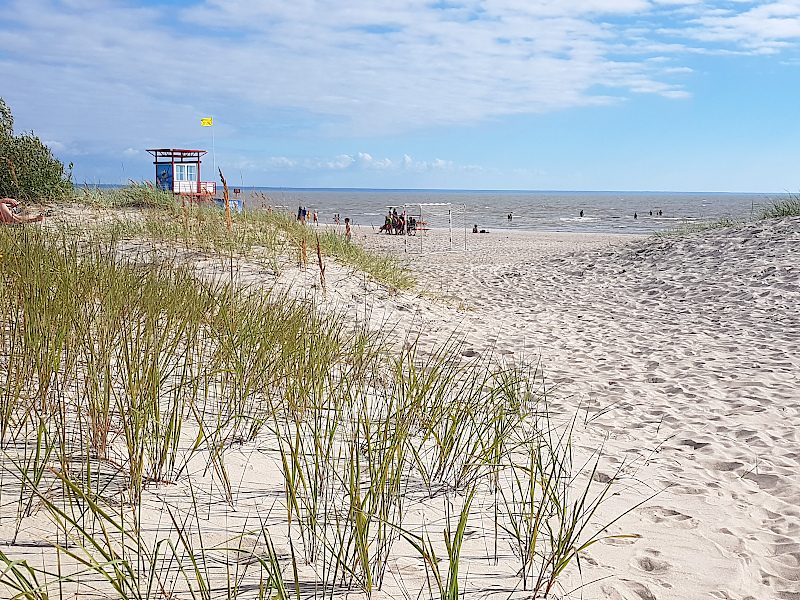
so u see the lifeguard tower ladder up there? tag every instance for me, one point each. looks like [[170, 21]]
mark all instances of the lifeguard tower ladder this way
[[178, 171]]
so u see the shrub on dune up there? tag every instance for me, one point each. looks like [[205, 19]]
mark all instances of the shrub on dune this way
[[28, 169]]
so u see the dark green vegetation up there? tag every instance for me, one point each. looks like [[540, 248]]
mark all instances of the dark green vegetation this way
[[28, 169]]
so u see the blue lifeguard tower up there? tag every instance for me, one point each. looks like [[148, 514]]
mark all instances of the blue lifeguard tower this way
[[178, 171]]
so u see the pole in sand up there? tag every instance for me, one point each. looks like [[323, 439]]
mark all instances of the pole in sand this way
[[450, 223]]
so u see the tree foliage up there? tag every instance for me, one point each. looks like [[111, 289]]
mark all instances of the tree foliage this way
[[28, 169]]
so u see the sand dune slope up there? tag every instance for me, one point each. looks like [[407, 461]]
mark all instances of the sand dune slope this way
[[683, 352]]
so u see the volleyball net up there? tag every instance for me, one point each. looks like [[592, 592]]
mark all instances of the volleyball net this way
[[435, 227]]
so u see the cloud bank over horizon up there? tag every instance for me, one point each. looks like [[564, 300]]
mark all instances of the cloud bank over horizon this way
[[101, 78]]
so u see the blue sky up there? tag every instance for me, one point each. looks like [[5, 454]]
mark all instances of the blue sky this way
[[669, 95]]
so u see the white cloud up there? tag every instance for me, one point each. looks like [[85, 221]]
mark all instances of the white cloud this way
[[149, 73], [280, 162], [678, 2], [437, 164], [55, 145], [367, 162], [130, 152], [361, 160], [340, 162], [767, 27]]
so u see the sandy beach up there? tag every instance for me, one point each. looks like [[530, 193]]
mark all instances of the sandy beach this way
[[676, 357], [226, 375], [682, 355]]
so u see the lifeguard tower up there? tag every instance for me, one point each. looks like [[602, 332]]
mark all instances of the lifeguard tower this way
[[179, 172]]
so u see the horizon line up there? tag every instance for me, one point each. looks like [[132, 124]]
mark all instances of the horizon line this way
[[460, 190]]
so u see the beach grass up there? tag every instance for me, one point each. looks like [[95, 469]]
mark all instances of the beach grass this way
[[698, 226], [262, 235], [782, 207], [133, 195], [125, 378], [787, 206]]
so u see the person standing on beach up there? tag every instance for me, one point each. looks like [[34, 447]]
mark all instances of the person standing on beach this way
[[315, 216], [348, 233]]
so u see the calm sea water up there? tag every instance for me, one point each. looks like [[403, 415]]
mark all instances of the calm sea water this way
[[603, 212]]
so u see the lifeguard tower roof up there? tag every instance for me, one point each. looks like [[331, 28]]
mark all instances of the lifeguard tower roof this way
[[178, 171]]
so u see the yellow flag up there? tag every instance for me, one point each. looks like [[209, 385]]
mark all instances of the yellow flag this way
[[207, 122]]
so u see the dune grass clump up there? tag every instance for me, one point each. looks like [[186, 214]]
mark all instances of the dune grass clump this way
[[788, 206], [782, 207], [270, 237], [692, 227], [133, 195]]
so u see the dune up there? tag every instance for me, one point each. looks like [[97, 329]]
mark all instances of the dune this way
[[680, 353], [674, 358]]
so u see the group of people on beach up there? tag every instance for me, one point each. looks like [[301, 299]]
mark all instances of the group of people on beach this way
[[304, 214], [399, 224]]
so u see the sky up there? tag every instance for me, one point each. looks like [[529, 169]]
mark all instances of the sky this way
[[624, 95]]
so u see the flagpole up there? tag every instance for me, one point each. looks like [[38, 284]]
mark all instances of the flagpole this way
[[209, 122]]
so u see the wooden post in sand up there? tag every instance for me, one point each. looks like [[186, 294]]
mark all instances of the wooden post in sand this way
[[227, 197], [450, 224], [321, 269]]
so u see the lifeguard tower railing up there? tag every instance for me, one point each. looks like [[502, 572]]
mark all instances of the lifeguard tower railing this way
[[178, 171]]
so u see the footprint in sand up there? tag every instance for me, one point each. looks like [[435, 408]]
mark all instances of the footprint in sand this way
[[626, 589], [764, 481], [660, 514], [622, 541], [729, 465], [649, 561], [693, 444]]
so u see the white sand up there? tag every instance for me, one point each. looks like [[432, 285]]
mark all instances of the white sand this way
[[678, 355], [683, 353]]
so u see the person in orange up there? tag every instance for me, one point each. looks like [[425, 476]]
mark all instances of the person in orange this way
[[7, 216]]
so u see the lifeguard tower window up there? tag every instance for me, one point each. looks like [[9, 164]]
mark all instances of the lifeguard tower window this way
[[185, 172]]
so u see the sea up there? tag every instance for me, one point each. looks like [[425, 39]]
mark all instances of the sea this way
[[603, 212]]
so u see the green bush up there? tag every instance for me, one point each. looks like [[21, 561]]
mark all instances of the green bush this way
[[28, 169]]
